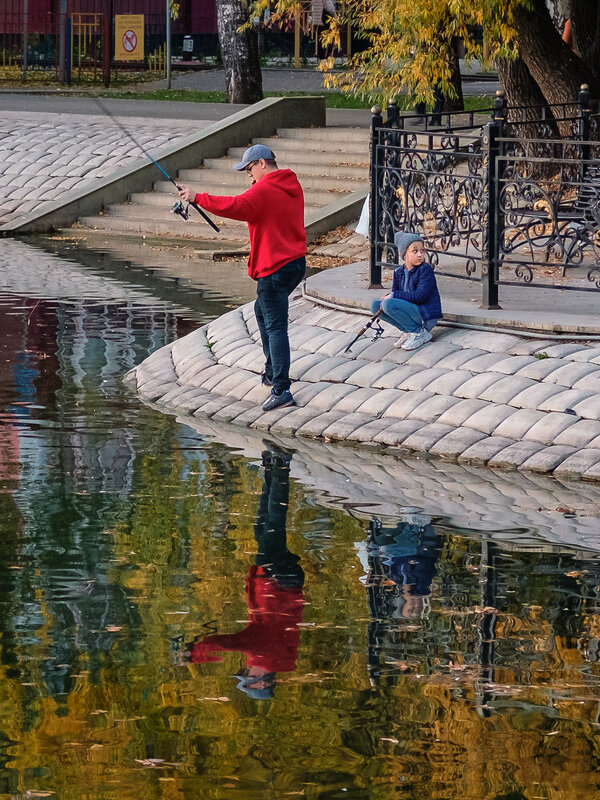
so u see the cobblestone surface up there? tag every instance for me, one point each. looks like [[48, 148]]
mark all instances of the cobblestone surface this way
[[44, 156], [477, 409]]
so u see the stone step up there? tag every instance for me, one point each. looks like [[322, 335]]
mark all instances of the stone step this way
[[152, 214], [302, 169], [316, 155], [172, 227], [229, 177], [330, 134], [158, 214], [280, 146], [167, 197]]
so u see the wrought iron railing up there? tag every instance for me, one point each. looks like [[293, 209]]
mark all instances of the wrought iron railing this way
[[514, 199]]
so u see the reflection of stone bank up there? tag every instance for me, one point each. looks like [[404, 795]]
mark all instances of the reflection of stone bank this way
[[515, 511]]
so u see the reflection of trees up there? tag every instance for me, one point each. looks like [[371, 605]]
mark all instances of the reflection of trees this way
[[129, 532]]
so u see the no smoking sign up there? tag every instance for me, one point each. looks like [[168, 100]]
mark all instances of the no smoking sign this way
[[129, 41], [129, 37]]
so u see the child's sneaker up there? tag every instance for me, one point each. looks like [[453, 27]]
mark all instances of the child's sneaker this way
[[401, 339], [417, 340]]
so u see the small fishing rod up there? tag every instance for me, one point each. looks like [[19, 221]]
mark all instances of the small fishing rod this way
[[377, 330], [178, 206]]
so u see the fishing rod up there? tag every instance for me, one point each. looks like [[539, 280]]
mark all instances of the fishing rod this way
[[377, 331], [178, 206]]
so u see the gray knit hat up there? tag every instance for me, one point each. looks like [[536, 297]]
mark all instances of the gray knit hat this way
[[403, 240]]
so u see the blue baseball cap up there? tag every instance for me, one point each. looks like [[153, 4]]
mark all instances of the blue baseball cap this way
[[253, 154]]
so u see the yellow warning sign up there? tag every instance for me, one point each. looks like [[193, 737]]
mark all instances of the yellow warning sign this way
[[129, 37]]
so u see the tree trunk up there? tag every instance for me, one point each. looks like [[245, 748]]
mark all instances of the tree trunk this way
[[455, 103], [557, 70], [239, 51], [521, 90]]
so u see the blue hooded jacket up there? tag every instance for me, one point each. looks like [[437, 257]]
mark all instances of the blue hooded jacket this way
[[421, 289]]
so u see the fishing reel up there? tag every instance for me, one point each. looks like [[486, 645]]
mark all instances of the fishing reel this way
[[181, 210], [377, 330]]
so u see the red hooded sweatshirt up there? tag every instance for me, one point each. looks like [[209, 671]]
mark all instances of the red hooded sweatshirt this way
[[273, 207], [271, 638]]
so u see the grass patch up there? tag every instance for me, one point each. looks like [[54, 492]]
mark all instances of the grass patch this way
[[332, 99]]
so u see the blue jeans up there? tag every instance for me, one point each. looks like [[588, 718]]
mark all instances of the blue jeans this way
[[402, 314], [271, 311]]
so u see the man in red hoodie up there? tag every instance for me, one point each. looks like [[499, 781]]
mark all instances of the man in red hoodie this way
[[273, 207]]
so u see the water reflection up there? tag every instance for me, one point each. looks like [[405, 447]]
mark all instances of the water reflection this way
[[446, 647], [274, 589], [399, 566]]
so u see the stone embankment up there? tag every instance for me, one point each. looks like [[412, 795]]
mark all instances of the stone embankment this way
[[479, 398]]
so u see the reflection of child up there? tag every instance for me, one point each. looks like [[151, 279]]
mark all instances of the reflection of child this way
[[399, 563], [414, 304]]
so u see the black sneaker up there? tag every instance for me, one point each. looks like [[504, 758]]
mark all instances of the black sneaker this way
[[279, 400], [265, 380]]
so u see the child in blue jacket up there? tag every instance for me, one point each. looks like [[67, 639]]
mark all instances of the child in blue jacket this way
[[414, 304]]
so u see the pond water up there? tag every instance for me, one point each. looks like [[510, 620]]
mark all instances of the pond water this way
[[180, 619]]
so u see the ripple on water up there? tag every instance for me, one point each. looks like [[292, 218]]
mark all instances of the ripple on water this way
[[186, 611]]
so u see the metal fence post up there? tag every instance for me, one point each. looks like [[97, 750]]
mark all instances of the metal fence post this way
[[375, 157], [68, 51], [584, 120], [25, 37], [392, 114], [62, 40], [491, 244]]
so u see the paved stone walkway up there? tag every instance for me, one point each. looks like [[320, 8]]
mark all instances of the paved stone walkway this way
[[477, 397], [45, 156]]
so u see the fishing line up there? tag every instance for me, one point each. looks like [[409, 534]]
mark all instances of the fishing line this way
[[179, 210]]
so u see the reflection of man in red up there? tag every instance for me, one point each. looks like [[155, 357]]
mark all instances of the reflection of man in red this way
[[274, 588]]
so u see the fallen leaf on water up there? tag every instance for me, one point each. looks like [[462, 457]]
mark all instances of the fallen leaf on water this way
[[99, 711], [38, 793], [149, 762], [113, 628], [388, 739], [215, 699]]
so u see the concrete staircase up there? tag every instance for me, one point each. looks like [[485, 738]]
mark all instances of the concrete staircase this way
[[331, 163]]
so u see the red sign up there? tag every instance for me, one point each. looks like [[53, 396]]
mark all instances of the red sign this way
[[129, 41]]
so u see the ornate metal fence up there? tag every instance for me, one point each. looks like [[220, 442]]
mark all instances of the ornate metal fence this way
[[514, 200]]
